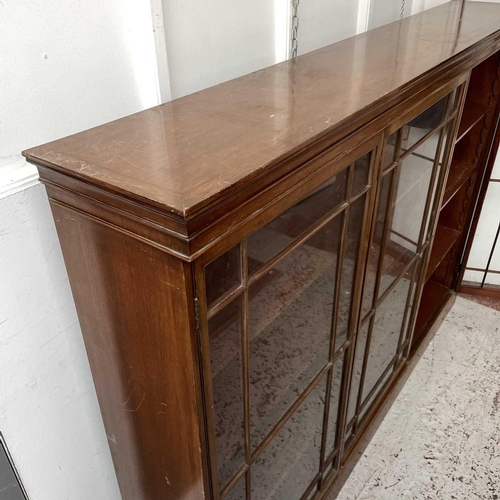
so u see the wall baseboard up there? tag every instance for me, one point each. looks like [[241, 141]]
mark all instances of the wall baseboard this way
[[16, 175]]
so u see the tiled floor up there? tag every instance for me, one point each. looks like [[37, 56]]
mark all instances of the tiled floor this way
[[440, 439], [493, 302]]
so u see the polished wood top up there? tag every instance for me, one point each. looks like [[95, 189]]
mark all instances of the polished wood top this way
[[194, 151]]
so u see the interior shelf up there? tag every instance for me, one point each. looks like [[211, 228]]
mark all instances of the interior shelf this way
[[460, 173], [472, 114], [443, 241], [434, 298]]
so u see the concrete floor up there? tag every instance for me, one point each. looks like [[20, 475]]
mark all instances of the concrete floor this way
[[440, 438]]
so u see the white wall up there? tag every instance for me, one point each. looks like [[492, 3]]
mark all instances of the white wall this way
[[212, 42], [48, 407], [322, 22], [484, 237], [66, 65]]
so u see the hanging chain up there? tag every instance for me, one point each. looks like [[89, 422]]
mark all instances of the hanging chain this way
[[295, 28], [402, 9]]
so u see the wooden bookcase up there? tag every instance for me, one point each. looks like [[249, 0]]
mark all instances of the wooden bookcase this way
[[254, 265], [468, 164]]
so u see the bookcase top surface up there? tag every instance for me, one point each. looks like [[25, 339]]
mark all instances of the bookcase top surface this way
[[184, 155]]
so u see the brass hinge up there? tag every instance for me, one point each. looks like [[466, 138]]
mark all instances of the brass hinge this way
[[197, 313]]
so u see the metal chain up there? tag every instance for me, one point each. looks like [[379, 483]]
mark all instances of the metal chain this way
[[402, 9], [295, 28]]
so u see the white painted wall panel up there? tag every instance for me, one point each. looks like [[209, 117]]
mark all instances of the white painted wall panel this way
[[212, 42], [68, 65], [323, 22], [48, 406]]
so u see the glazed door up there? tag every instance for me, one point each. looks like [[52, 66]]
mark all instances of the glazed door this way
[[410, 180], [277, 328]]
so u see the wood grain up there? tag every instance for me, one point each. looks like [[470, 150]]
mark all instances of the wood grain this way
[[135, 307], [142, 204], [188, 153]]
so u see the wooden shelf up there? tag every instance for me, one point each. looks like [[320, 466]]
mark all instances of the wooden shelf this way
[[443, 241], [434, 297], [472, 114], [460, 173]]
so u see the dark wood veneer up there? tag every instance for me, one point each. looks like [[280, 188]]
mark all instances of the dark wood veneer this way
[[400, 121]]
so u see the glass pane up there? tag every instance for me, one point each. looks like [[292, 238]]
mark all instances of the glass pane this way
[[413, 291], [222, 274], [412, 187], [374, 396], [374, 250], [390, 150], [492, 279], [361, 173], [312, 494], [287, 466], [356, 212], [473, 278], [227, 388], [334, 405], [386, 331], [422, 124], [495, 173], [486, 229], [454, 100], [290, 325], [357, 369], [446, 133], [271, 239], [238, 492]]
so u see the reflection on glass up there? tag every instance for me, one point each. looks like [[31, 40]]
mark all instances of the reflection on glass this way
[[290, 319], [238, 492], [484, 237], [473, 278], [386, 331], [361, 173], [374, 250], [334, 405], [287, 466], [356, 212], [492, 279], [312, 494], [390, 150], [357, 370], [222, 274], [227, 388], [269, 240], [413, 291], [445, 133], [422, 124], [454, 100], [375, 394], [413, 183]]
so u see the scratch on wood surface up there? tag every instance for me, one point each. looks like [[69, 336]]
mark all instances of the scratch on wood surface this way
[[169, 284], [142, 401]]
